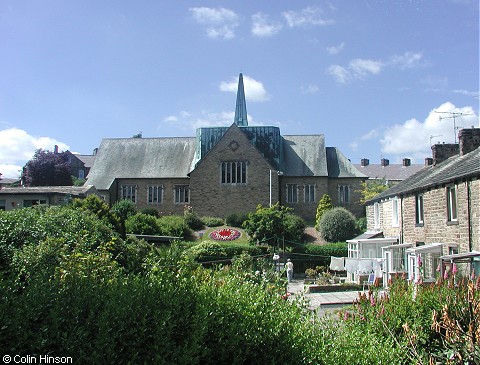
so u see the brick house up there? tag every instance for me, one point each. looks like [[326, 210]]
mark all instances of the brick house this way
[[434, 214], [225, 170]]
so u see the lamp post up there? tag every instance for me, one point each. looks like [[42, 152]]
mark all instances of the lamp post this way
[[279, 173]]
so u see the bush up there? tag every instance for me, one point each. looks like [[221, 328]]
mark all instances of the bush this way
[[213, 221], [172, 225], [192, 220], [337, 224], [151, 211], [361, 225], [141, 223], [236, 219], [294, 227], [324, 204]]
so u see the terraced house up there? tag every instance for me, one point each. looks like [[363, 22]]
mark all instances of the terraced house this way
[[228, 169], [434, 214]]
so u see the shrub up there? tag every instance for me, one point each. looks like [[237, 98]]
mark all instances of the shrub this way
[[141, 223], [361, 224], [192, 220], [337, 224], [213, 221], [324, 204], [236, 219], [207, 250], [151, 211], [294, 227], [172, 225]]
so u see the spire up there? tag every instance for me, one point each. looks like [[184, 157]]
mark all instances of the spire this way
[[241, 106]]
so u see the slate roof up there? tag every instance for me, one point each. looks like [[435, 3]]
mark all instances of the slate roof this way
[[304, 156], [391, 172], [87, 160], [142, 158], [72, 190], [452, 169], [339, 166]]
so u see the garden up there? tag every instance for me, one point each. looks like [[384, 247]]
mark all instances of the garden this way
[[72, 283]]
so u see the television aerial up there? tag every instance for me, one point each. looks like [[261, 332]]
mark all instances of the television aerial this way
[[452, 115]]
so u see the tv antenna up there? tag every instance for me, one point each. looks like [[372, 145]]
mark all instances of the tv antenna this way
[[452, 115], [432, 137]]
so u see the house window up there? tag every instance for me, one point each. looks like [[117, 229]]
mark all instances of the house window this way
[[451, 203], [33, 202], [395, 212], [2, 204], [343, 194], [155, 194], [128, 192], [182, 194], [376, 215], [234, 172], [81, 174], [419, 209], [309, 193], [292, 193]]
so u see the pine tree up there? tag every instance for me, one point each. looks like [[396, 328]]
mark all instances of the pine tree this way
[[324, 204]]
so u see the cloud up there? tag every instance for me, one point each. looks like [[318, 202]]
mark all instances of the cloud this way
[[356, 69], [219, 22], [336, 49], [412, 138], [310, 16], [17, 147], [474, 94], [359, 68], [254, 90], [310, 89], [408, 60], [262, 26]]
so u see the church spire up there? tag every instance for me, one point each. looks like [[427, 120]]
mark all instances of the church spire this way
[[241, 106]]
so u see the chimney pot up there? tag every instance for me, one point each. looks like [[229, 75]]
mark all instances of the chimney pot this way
[[364, 162], [384, 162], [406, 162], [428, 161]]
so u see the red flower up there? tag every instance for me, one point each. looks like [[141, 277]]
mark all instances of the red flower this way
[[225, 234]]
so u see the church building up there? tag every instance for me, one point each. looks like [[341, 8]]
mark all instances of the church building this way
[[224, 170]]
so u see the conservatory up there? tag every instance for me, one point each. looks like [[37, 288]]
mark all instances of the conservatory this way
[[467, 264], [394, 261], [424, 261], [365, 257]]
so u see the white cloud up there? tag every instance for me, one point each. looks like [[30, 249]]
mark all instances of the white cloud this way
[[412, 138], [17, 147], [407, 61], [262, 26], [219, 22], [171, 119], [305, 17], [360, 68], [474, 94], [310, 89], [254, 90], [336, 49]]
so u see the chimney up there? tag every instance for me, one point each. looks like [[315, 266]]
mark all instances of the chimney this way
[[55, 149], [469, 139], [384, 162], [95, 150], [441, 152], [406, 162], [364, 162], [428, 161]]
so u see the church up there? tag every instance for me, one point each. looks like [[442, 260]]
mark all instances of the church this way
[[225, 170]]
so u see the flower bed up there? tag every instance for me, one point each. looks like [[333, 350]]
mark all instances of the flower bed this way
[[225, 234]]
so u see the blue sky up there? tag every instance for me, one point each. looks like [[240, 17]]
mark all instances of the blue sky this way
[[370, 75]]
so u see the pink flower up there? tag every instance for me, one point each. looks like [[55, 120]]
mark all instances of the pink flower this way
[[372, 301], [454, 269], [445, 275], [225, 234]]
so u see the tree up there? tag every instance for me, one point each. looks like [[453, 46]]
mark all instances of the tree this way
[[337, 224], [371, 188], [324, 204], [47, 168]]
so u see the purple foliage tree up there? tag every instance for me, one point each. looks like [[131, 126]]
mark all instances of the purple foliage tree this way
[[47, 169]]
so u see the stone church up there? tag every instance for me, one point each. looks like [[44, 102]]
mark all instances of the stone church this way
[[226, 170]]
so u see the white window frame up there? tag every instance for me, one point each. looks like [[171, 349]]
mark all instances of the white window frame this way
[[309, 193], [155, 194], [395, 215], [181, 194], [128, 192], [376, 215], [452, 208], [81, 173], [419, 209], [292, 193]]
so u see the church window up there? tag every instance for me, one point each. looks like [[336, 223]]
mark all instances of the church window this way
[[128, 192], [309, 193], [292, 193], [343, 193], [182, 194], [155, 194], [234, 172]]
